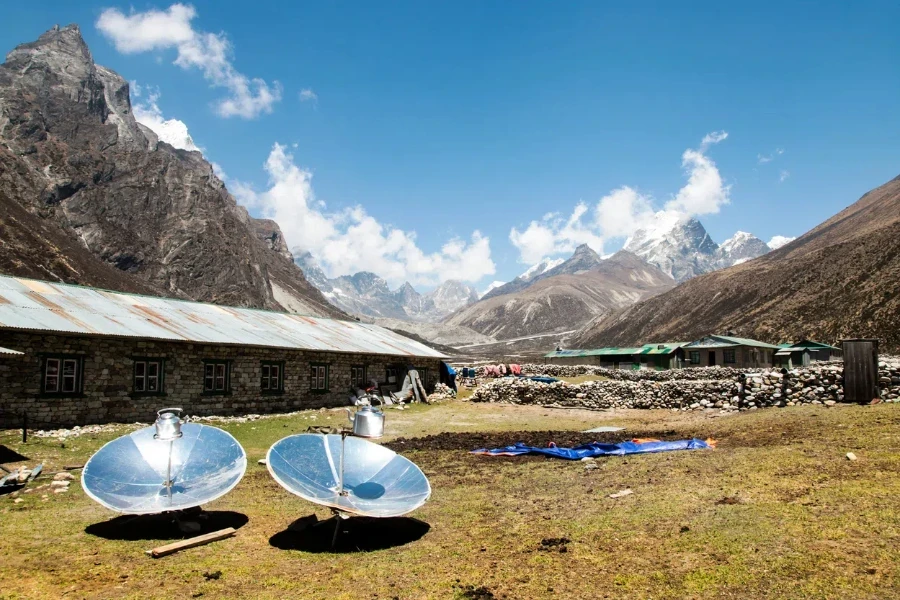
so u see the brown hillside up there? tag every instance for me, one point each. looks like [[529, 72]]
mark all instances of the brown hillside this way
[[842, 279]]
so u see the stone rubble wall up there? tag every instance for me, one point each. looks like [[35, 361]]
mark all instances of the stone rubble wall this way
[[683, 389]]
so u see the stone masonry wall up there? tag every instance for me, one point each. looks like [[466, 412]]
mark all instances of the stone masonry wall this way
[[685, 389], [108, 379]]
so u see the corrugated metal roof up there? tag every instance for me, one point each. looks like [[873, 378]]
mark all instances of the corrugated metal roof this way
[[594, 352], [666, 348], [39, 305], [723, 341], [810, 344], [8, 351]]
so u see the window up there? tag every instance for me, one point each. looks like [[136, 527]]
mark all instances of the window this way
[[318, 378], [63, 375], [728, 356], [216, 377], [390, 375], [358, 377], [695, 357], [272, 377], [423, 374], [149, 374]]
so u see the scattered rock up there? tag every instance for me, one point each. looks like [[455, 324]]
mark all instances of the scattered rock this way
[[262, 461], [621, 494], [63, 476], [851, 456], [212, 575]]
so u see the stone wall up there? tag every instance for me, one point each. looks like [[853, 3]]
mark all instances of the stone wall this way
[[722, 389], [108, 379]]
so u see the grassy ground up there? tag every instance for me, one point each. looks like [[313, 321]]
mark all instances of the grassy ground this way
[[583, 378], [776, 511]]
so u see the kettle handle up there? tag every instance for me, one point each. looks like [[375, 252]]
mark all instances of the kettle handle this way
[[173, 409], [349, 415]]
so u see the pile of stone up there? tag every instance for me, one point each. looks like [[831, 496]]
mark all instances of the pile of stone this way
[[64, 434], [442, 391], [725, 390]]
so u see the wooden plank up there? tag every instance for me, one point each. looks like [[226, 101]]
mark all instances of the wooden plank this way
[[193, 542]]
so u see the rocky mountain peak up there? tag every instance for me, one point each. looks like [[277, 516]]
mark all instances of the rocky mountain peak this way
[[72, 155]]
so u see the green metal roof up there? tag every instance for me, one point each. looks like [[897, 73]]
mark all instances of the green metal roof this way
[[595, 352], [666, 348], [725, 340], [810, 344]]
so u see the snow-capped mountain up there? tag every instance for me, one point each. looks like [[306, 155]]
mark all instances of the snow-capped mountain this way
[[540, 268], [683, 249], [452, 295], [367, 294], [741, 247], [778, 241], [494, 285]]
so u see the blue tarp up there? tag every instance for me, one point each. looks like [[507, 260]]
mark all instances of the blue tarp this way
[[542, 379], [598, 449]]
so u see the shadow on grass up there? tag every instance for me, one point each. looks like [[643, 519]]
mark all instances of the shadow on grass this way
[[8, 455], [358, 534], [165, 526]]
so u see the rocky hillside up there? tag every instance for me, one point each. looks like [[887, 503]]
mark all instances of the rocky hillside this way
[[842, 279], [566, 297], [89, 196]]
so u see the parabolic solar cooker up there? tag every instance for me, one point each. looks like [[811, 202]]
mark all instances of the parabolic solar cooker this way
[[170, 466], [348, 474]]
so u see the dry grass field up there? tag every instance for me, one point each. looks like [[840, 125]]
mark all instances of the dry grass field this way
[[776, 511]]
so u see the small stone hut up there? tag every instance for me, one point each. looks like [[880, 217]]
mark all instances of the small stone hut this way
[[649, 356], [74, 355], [804, 353], [728, 351]]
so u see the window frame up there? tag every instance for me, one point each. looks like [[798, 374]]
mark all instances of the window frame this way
[[423, 374], [691, 355], [268, 364], [362, 382], [387, 375], [78, 390], [214, 362], [160, 377], [313, 379], [729, 352]]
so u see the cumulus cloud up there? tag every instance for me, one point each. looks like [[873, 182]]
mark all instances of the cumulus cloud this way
[[347, 241], [155, 30], [148, 113], [779, 240], [308, 95], [626, 210]]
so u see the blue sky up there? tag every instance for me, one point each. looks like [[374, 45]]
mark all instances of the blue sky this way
[[448, 118]]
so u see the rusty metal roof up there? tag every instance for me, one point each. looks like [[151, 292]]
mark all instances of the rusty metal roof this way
[[8, 351], [28, 304]]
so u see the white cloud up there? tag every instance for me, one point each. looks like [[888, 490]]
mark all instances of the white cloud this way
[[784, 174], [779, 240], [155, 30], [148, 113], [625, 210], [308, 95], [351, 240], [767, 158]]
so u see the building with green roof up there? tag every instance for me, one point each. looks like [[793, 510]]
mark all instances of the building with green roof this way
[[729, 351]]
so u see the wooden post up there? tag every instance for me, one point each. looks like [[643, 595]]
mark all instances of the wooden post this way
[[860, 370]]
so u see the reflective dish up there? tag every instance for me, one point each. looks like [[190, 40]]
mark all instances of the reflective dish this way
[[129, 474], [377, 482]]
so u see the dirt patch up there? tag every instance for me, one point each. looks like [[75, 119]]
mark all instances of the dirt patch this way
[[498, 439]]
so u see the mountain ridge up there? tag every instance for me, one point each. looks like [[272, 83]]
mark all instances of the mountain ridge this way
[[154, 218]]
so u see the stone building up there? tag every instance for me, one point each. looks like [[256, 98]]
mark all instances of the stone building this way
[[649, 356], [74, 355], [728, 351]]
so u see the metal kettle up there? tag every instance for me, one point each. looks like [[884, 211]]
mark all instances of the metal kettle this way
[[368, 421]]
